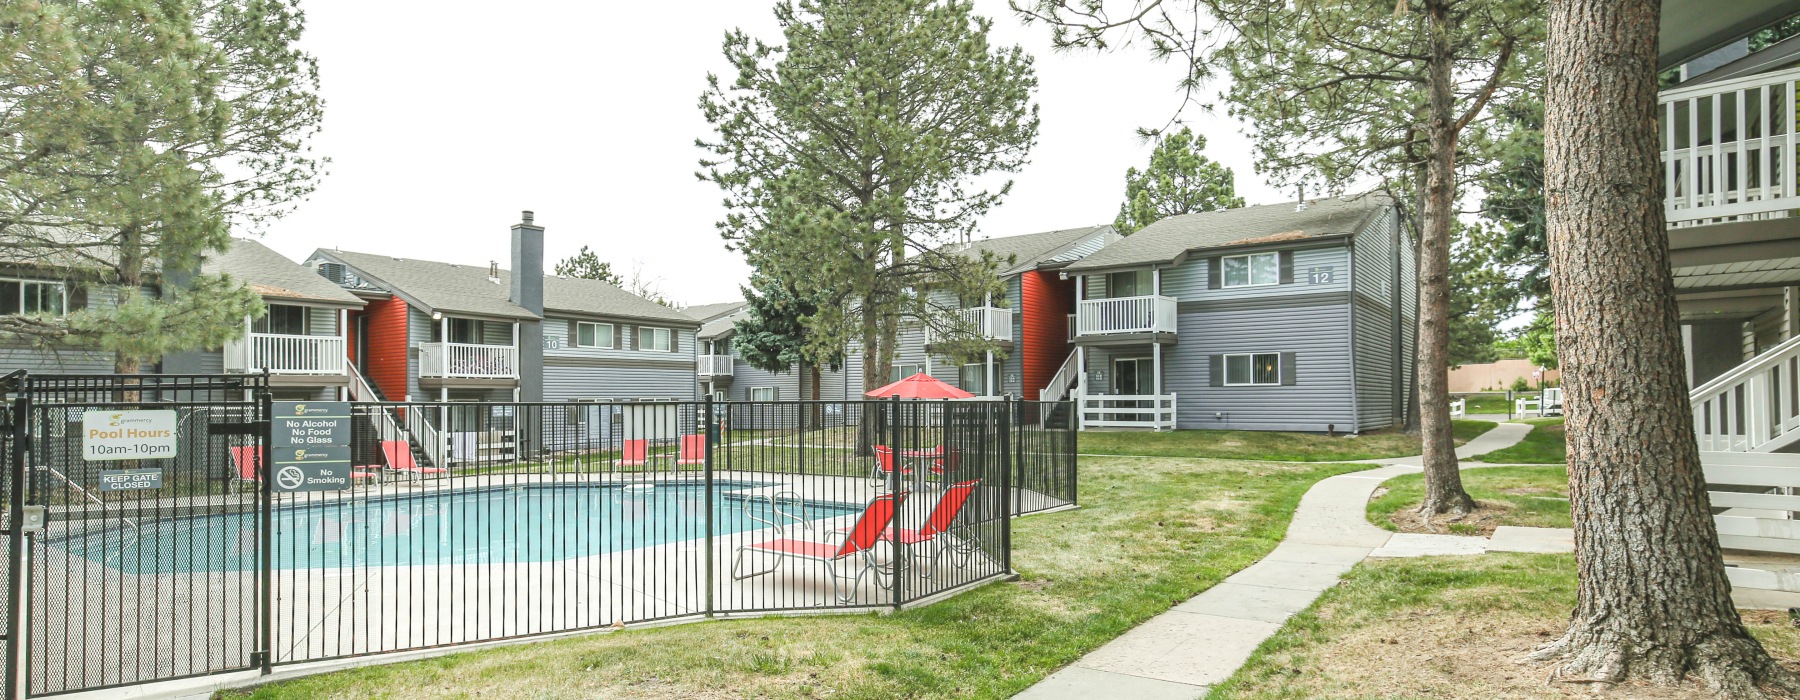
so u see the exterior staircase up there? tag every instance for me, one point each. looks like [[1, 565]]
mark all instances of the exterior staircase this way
[[1748, 424], [385, 423]]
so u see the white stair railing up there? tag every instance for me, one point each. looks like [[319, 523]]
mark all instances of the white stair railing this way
[[1752, 408], [1063, 380]]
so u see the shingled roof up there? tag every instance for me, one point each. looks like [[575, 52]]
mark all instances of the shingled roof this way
[[1170, 240], [274, 276], [467, 289], [723, 325], [1029, 249], [708, 312]]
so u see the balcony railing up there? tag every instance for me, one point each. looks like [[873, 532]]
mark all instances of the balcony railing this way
[[715, 365], [286, 354], [990, 322], [468, 361], [1729, 148], [1126, 315]]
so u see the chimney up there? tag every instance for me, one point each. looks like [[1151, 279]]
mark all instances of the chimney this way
[[1301, 190], [527, 290]]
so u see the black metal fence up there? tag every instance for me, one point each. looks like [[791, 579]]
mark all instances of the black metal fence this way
[[474, 522]]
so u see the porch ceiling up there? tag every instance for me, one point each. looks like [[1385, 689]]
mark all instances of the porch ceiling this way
[[1732, 306], [1775, 272]]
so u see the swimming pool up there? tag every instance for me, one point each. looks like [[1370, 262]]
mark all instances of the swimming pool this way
[[520, 524]]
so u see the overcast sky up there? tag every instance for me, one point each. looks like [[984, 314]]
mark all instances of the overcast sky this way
[[444, 120]]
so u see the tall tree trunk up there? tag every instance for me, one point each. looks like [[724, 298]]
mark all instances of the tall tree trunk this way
[[1653, 600], [1443, 481], [874, 373]]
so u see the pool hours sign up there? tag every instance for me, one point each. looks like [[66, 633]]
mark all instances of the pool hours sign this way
[[115, 435]]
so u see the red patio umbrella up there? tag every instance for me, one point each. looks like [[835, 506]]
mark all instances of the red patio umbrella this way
[[920, 386]]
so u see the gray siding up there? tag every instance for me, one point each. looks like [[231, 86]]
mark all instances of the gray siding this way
[[1316, 333], [1187, 282], [620, 373], [1378, 349]]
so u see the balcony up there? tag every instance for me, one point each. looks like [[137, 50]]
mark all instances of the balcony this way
[[1125, 315], [715, 365], [286, 354], [989, 322], [468, 361], [1728, 149]]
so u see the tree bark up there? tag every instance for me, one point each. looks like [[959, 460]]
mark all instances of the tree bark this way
[[1653, 601], [1443, 480]]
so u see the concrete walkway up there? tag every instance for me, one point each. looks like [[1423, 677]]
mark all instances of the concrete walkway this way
[[1180, 654]]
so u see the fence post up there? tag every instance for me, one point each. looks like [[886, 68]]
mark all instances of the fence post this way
[[16, 595], [710, 434], [894, 452], [264, 436], [1007, 507]]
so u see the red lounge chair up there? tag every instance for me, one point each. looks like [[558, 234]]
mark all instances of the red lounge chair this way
[[633, 453], [244, 458], [693, 450], [858, 542], [948, 460], [943, 515], [400, 458], [884, 466]]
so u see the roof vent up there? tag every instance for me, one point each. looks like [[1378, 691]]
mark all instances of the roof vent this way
[[1302, 205], [494, 267], [526, 216]]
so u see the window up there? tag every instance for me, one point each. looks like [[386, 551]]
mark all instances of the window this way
[[1252, 270], [467, 331], [899, 372], [1260, 369], [594, 335], [763, 393], [657, 339], [29, 297], [282, 319], [1138, 283], [973, 379]]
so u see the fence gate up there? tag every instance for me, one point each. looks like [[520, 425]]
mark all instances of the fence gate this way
[[145, 562]]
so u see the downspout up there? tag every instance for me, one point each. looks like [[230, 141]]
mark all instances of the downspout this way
[[1350, 313]]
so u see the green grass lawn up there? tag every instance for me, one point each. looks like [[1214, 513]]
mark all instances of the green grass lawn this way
[[1545, 444], [1489, 403], [1264, 445], [1151, 533], [1521, 496], [1440, 627]]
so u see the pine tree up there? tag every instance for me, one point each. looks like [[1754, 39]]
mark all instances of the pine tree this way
[[134, 138], [853, 151], [588, 266], [1178, 180]]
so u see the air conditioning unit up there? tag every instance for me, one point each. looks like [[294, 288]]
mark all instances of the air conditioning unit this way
[[333, 271]]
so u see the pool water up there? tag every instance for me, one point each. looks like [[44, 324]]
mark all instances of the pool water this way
[[521, 524]]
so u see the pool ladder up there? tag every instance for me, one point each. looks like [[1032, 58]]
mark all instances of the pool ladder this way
[[779, 519]]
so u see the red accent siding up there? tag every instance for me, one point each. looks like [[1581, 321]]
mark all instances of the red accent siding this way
[[386, 364], [1044, 322], [350, 334]]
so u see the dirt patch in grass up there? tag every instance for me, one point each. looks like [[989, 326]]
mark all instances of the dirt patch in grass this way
[[1481, 521], [1430, 654]]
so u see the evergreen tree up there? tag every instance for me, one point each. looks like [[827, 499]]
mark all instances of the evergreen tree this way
[[772, 336], [853, 151], [1179, 180], [588, 266], [134, 137]]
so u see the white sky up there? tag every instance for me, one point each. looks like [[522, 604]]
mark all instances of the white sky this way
[[443, 123]]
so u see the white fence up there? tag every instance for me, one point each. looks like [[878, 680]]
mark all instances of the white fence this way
[[286, 354], [464, 360], [1728, 149], [1128, 411], [1126, 315], [715, 365]]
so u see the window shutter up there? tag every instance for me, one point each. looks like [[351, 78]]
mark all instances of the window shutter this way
[[1287, 267], [575, 333], [1212, 277], [674, 340], [1287, 369], [1215, 366], [78, 297]]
